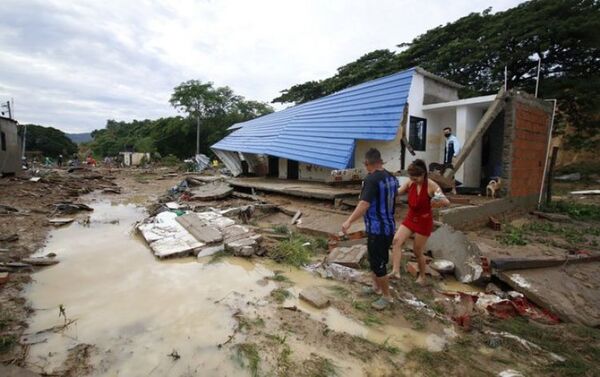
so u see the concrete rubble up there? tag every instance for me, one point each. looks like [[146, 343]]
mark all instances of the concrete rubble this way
[[452, 245], [348, 256], [315, 297], [197, 233]]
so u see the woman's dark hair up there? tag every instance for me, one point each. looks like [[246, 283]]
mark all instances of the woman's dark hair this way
[[418, 168]]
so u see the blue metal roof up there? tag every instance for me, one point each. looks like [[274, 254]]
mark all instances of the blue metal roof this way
[[323, 132]]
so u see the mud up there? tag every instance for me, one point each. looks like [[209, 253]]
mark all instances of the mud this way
[[136, 310]]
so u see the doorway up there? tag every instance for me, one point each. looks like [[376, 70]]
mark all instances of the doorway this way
[[292, 169], [273, 167]]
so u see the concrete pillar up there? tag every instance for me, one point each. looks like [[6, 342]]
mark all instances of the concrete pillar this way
[[466, 122]]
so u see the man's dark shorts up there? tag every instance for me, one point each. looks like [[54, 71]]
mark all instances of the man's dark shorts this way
[[379, 253]]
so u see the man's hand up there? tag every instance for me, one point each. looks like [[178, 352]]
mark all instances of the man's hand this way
[[346, 226]]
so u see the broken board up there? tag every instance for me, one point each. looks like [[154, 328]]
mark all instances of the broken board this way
[[348, 256], [199, 229]]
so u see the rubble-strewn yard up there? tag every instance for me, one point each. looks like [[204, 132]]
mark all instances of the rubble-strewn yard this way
[[264, 296]]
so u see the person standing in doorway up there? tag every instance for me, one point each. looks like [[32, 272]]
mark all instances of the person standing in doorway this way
[[423, 195], [452, 146], [376, 206]]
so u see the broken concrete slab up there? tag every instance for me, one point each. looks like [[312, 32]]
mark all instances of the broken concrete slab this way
[[450, 244], [167, 238], [210, 250], [570, 292], [313, 190], [244, 247], [211, 191], [348, 256], [315, 297], [325, 224], [198, 228]]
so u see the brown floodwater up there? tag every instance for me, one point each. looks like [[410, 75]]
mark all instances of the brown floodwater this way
[[136, 310]]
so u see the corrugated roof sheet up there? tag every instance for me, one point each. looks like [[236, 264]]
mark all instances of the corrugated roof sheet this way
[[323, 132]]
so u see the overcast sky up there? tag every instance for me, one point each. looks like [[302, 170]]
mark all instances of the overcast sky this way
[[75, 64]]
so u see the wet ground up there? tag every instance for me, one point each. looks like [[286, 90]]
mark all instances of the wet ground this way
[[136, 310]]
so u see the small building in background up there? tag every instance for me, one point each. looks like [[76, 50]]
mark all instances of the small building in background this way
[[10, 147], [134, 158]]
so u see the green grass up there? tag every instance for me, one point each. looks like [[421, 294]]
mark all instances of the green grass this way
[[281, 229], [245, 323], [247, 356], [7, 342], [578, 211], [280, 295], [321, 243], [317, 366], [390, 348], [279, 277], [360, 305], [371, 320], [292, 252], [571, 233], [578, 344], [422, 356], [340, 291], [5, 320], [416, 319], [512, 236]]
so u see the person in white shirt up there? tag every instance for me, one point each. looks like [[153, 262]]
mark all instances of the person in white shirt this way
[[452, 147]]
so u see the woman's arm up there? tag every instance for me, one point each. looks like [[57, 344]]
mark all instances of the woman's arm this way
[[438, 199]]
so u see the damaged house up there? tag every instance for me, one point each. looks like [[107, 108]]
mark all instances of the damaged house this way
[[10, 147], [403, 115]]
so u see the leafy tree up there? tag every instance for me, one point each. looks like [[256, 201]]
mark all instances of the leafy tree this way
[[48, 140], [219, 108], [475, 49]]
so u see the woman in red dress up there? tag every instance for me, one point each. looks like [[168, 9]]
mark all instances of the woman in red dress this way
[[423, 195]]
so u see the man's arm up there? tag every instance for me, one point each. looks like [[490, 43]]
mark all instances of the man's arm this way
[[361, 208], [457, 146]]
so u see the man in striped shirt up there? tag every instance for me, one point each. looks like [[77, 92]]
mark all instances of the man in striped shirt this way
[[376, 205]]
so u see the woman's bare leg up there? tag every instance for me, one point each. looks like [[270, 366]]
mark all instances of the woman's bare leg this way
[[399, 239], [419, 248]]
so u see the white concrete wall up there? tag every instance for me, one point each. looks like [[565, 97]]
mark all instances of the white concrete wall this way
[[467, 118], [283, 168], [309, 172], [436, 121]]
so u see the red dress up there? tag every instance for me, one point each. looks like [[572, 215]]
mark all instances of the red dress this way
[[420, 217]]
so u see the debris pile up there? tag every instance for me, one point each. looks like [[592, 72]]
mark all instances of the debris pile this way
[[183, 233]]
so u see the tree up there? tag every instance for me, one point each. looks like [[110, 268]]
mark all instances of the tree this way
[[219, 108], [48, 140], [474, 50], [203, 101]]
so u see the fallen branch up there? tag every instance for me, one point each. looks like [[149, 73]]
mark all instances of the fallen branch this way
[[55, 329]]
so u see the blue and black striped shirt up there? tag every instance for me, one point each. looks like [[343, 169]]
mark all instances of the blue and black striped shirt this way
[[380, 189]]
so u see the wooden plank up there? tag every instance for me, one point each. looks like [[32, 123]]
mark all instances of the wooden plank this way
[[490, 115], [403, 139]]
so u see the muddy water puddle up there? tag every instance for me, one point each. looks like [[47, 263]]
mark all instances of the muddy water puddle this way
[[137, 310]]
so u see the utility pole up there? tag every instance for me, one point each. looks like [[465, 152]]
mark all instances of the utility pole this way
[[537, 80], [197, 134]]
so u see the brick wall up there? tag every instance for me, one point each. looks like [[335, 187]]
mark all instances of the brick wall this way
[[531, 124]]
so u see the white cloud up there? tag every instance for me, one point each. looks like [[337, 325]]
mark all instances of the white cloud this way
[[73, 65]]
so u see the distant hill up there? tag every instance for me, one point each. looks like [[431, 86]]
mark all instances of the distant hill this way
[[80, 138]]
